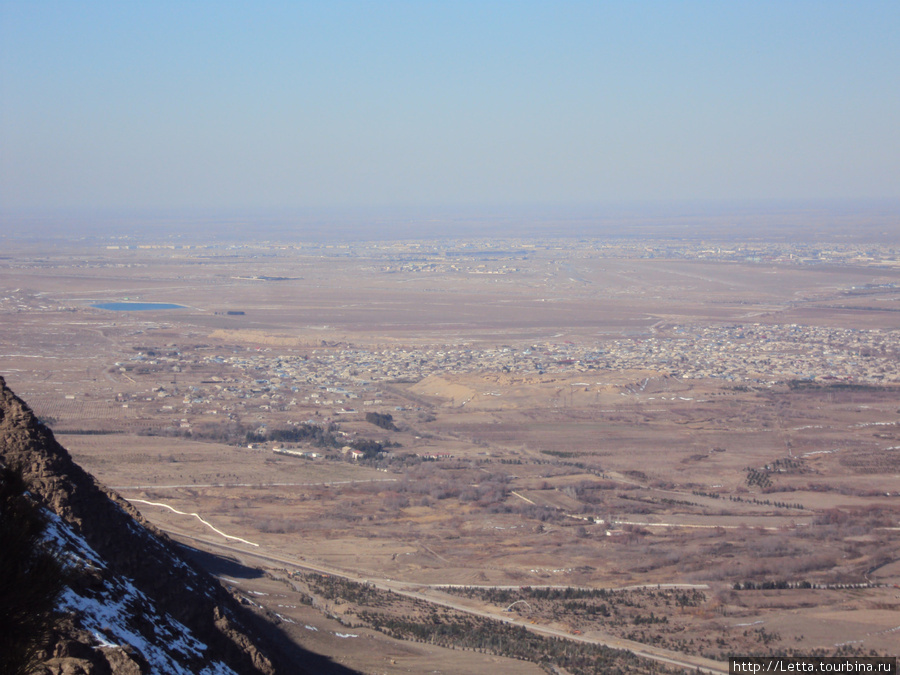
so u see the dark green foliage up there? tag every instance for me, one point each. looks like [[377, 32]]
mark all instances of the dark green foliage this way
[[309, 433], [383, 420], [239, 434], [758, 477], [558, 453], [734, 498], [809, 385], [779, 584], [495, 637], [370, 448], [31, 578], [87, 432], [422, 622]]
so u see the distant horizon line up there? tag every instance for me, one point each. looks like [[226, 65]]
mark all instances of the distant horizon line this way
[[774, 219], [554, 209]]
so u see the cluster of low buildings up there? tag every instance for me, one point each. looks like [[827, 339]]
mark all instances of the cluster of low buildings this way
[[349, 380], [740, 353]]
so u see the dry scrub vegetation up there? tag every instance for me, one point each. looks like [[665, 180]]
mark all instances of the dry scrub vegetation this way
[[654, 421]]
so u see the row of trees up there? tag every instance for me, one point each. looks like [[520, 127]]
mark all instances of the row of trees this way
[[460, 631], [416, 620]]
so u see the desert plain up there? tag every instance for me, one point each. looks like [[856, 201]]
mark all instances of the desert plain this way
[[685, 448]]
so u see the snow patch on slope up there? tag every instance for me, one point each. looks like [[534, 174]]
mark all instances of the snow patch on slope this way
[[116, 613]]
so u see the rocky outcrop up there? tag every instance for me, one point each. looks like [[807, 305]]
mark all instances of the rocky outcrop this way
[[132, 603]]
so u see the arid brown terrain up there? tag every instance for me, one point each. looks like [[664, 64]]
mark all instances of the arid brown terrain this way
[[686, 448]]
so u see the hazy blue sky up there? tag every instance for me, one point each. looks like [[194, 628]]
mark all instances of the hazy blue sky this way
[[320, 104]]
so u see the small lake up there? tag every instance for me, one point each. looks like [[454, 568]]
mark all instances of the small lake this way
[[136, 306]]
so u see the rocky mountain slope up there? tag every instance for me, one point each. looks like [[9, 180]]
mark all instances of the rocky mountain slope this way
[[130, 603]]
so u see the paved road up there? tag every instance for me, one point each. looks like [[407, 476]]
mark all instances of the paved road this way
[[430, 593]]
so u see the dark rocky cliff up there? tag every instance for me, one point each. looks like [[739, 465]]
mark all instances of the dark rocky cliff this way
[[132, 603]]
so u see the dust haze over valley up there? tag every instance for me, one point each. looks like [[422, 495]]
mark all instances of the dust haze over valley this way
[[462, 337], [673, 436]]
